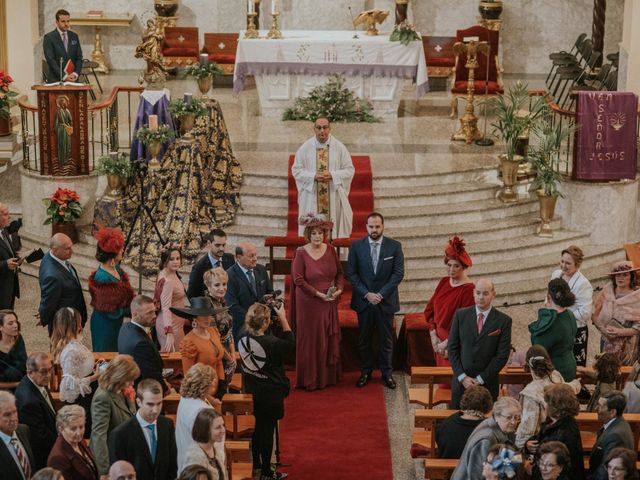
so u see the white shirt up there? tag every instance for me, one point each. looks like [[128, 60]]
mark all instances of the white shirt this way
[[43, 392], [146, 329], [213, 260], [7, 442], [147, 434], [606, 425], [379, 243]]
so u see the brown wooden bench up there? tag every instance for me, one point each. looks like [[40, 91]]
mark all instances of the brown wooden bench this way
[[221, 48]]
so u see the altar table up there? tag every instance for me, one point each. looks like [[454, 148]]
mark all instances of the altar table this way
[[374, 67]]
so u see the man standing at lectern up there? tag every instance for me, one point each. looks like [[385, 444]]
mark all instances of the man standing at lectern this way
[[60, 47], [323, 171]]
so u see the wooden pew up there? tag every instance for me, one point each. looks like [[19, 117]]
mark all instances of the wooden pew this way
[[169, 360], [238, 459]]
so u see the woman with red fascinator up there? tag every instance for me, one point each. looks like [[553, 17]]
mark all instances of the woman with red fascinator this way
[[454, 291], [110, 290]]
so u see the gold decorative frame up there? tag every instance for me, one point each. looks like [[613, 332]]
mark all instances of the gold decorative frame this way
[[3, 36]]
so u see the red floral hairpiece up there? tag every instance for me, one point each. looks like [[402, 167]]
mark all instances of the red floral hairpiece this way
[[315, 220], [455, 251], [171, 246], [110, 240]]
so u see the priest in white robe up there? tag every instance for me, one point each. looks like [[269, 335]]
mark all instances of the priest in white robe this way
[[323, 171]]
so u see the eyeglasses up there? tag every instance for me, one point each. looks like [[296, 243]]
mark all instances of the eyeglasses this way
[[511, 418], [45, 371], [322, 127]]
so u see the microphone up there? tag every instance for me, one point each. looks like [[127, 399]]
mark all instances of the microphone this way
[[355, 31], [61, 71]]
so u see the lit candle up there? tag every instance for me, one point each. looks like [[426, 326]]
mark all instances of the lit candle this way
[[187, 98], [204, 59], [153, 122], [250, 6], [274, 7]]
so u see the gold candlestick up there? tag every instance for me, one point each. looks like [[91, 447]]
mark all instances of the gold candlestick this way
[[275, 32], [251, 29]]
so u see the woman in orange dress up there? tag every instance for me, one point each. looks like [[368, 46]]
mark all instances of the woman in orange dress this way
[[169, 292], [454, 291], [202, 344]]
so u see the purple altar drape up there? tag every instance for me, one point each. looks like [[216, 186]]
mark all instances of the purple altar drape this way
[[146, 108], [606, 136]]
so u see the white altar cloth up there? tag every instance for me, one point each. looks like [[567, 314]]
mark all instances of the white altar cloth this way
[[374, 67]]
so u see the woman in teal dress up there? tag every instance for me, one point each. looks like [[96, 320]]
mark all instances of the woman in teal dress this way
[[556, 328], [110, 290]]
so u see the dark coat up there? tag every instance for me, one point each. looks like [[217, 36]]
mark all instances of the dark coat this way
[[239, 295], [618, 434], [133, 341], [566, 431], [54, 51], [10, 469], [73, 467], [9, 283], [474, 353], [196, 277], [34, 412], [58, 288], [390, 272], [127, 442]]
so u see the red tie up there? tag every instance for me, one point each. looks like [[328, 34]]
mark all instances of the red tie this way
[[480, 322]]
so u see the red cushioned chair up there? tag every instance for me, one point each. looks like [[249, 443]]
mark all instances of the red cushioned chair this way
[[438, 52], [221, 48], [180, 46], [460, 81]]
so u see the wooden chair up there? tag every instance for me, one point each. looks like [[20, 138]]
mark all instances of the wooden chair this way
[[438, 52], [180, 46], [460, 82], [221, 48]]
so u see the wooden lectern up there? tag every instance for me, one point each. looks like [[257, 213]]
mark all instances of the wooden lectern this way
[[63, 129]]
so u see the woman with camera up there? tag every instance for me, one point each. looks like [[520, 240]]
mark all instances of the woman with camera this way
[[263, 376]]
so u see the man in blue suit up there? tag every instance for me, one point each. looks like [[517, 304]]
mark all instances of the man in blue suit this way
[[59, 282], [64, 44], [375, 269]]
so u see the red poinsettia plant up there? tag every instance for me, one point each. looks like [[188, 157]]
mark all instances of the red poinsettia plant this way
[[63, 207], [7, 96]]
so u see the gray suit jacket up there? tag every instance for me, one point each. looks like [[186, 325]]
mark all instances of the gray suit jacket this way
[[618, 434]]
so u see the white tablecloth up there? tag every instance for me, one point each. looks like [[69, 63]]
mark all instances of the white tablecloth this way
[[330, 52]]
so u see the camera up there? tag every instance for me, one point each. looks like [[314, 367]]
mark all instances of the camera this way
[[274, 301]]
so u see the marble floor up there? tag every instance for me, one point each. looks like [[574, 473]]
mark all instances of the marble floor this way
[[416, 143]]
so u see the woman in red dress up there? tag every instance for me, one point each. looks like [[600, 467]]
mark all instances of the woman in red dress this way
[[317, 285], [453, 292]]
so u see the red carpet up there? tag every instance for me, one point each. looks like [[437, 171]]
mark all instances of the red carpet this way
[[338, 433]]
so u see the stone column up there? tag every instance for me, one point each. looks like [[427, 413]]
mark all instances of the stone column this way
[[629, 71]]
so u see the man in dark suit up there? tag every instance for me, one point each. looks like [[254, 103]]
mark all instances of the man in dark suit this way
[[147, 440], [615, 432], [59, 282], [60, 46], [375, 268], [479, 343], [215, 257], [135, 339], [16, 457], [248, 283], [9, 263], [35, 406]]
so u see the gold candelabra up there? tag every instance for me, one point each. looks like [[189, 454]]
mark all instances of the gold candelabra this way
[[251, 29], [275, 32]]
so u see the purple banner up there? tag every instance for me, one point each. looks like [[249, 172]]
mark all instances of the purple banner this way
[[606, 136]]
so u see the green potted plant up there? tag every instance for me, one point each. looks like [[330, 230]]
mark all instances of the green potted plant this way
[[7, 100], [117, 168], [515, 114], [186, 110], [545, 157], [153, 139], [205, 73], [63, 210], [404, 33]]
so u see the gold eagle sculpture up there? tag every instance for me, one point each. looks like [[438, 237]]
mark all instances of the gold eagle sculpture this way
[[370, 18]]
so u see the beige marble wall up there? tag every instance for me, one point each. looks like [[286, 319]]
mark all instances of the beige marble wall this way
[[532, 28]]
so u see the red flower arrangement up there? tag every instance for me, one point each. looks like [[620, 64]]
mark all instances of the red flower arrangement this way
[[7, 96], [63, 207]]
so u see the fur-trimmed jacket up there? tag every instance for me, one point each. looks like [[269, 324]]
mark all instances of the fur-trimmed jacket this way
[[108, 293]]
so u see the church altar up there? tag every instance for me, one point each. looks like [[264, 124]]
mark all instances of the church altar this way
[[284, 69]]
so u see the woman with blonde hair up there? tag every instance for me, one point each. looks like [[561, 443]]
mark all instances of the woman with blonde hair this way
[[79, 369], [113, 404], [197, 392], [215, 281]]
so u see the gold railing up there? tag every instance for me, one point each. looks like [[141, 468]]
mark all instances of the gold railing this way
[[104, 122]]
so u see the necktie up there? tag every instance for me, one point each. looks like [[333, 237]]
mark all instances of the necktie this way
[[252, 281], [153, 441], [71, 271], [47, 398], [5, 238], [480, 322], [374, 256], [22, 457], [65, 41]]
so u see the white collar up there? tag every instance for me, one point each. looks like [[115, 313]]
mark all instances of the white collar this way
[[146, 329], [60, 32], [608, 424], [143, 423], [322, 145], [42, 389], [61, 262], [245, 270], [213, 259], [378, 242], [484, 312]]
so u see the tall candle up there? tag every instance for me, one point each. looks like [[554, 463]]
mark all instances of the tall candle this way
[[153, 122], [204, 59], [187, 98], [274, 7], [250, 6]]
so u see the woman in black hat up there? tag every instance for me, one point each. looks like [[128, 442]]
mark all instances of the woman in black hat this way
[[202, 344]]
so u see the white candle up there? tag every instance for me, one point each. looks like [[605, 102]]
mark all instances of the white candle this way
[[153, 122], [250, 6], [274, 7]]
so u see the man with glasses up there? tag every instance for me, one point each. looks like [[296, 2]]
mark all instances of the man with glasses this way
[[323, 171], [615, 432], [36, 408]]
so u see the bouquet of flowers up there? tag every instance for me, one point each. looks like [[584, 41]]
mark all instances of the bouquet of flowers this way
[[163, 134], [404, 33], [198, 70], [179, 108], [63, 207], [7, 97]]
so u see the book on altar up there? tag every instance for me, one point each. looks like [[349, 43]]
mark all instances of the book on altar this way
[[66, 84], [95, 13]]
